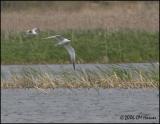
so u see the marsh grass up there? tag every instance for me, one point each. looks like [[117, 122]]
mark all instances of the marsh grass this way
[[92, 46], [85, 78], [61, 15]]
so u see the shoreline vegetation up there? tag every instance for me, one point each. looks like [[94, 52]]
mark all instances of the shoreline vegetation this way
[[85, 78]]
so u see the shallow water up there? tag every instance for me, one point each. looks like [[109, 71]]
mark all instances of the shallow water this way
[[8, 70], [79, 105]]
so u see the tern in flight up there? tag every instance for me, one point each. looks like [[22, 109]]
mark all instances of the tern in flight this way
[[32, 32], [61, 41]]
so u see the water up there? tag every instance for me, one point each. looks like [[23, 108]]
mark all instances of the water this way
[[8, 70], [79, 105]]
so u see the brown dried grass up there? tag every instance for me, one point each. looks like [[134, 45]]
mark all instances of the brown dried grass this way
[[132, 15], [84, 81]]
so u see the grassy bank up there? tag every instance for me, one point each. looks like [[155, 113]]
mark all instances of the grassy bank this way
[[83, 78], [92, 46]]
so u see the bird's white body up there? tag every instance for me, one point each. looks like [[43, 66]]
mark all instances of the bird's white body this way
[[66, 44], [32, 32]]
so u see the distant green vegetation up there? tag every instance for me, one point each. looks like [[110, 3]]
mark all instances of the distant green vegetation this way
[[92, 46]]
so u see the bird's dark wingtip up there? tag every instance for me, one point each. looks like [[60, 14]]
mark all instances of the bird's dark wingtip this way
[[74, 66]]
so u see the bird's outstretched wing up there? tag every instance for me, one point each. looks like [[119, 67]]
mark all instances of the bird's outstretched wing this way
[[71, 52], [35, 29], [59, 38]]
